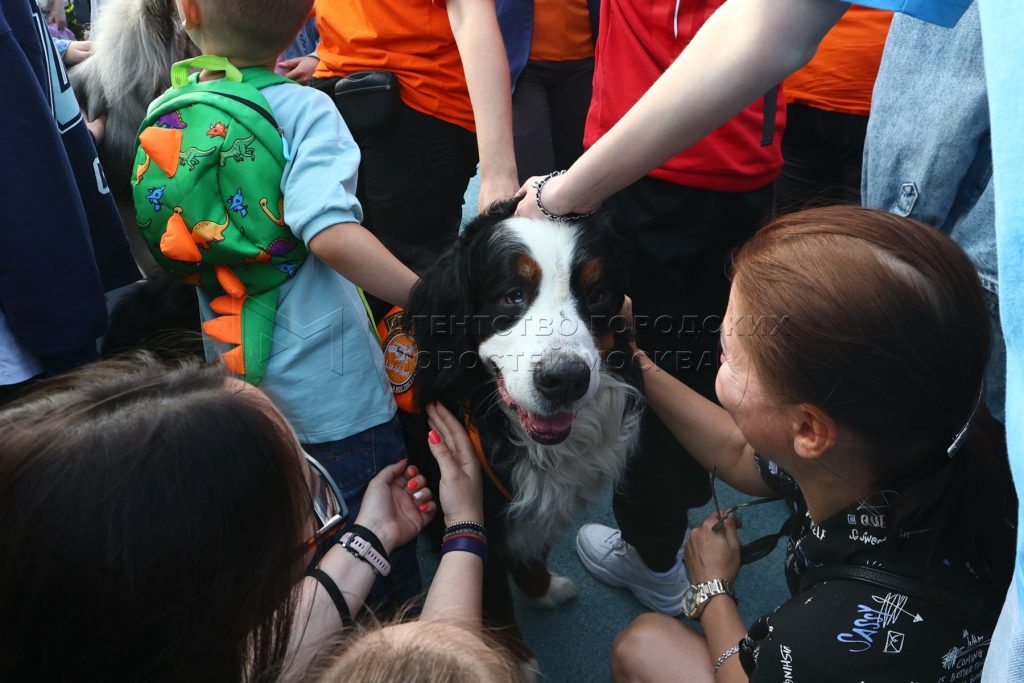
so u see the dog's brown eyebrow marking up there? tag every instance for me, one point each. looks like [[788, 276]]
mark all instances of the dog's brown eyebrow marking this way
[[590, 272], [605, 343], [528, 268]]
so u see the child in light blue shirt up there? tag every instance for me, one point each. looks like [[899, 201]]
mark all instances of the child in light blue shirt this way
[[326, 371]]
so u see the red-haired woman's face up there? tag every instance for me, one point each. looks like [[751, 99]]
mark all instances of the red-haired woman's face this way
[[739, 387]]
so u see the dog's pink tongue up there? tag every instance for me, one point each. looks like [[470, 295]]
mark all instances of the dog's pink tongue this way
[[552, 423]]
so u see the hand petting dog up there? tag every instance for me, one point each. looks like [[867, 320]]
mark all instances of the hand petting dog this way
[[461, 489]]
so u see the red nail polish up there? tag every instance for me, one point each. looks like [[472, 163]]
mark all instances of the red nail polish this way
[[413, 471], [412, 485], [424, 507], [433, 437]]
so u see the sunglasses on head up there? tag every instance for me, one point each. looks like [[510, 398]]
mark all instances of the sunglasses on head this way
[[759, 547], [328, 506]]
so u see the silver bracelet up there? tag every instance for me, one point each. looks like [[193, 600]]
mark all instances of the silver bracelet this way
[[724, 656], [539, 184]]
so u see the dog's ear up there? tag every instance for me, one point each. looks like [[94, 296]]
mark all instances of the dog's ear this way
[[616, 252], [438, 317], [502, 209]]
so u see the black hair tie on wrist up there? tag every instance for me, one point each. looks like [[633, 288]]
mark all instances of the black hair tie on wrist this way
[[332, 589]]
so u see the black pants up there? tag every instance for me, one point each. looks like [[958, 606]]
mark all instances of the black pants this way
[[683, 238], [412, 179], [549, 111], [824, 151]]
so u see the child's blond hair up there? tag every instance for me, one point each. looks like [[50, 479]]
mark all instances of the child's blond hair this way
[[417, 651]]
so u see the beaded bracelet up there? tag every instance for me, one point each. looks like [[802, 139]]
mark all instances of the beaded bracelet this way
[[471, 527], [538, 185]]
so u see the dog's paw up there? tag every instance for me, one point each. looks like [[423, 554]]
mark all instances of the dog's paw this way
[[560, 590]]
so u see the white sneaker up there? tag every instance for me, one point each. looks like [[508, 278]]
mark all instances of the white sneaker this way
[[615, 562]]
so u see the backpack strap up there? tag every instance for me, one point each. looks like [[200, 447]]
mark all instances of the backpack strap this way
[[258, 77], [952, 601], [261, 77], [179, 70]]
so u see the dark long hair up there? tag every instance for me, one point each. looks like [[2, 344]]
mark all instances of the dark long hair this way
[[149, 521], [888, 332]]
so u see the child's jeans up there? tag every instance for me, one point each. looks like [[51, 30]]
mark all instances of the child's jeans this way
[[352, 462]]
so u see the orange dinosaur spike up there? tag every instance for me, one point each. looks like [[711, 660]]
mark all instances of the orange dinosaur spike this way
[[163, 145], [234, 360], [225, 328], [227, 279], [227, 305], [176, 242]]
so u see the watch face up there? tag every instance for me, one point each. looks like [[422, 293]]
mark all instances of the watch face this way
[[690, 601]]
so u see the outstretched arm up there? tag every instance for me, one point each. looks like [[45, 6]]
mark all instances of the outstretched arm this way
[[395, 514], [704, 429], [356, 253], [744, 49], [457, 589], [475, 26]]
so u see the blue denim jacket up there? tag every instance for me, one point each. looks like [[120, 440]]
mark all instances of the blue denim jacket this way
[[928, 152], [1001, 21]]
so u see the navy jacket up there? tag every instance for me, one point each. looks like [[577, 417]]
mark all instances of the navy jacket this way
[[63, 242]]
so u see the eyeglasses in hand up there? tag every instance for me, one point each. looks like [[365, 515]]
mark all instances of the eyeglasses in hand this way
[[759, 547]]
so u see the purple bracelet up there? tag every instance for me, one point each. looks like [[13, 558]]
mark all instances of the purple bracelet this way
[[466, 544]]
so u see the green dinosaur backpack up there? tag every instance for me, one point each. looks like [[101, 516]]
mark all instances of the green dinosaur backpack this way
[[208, 202]]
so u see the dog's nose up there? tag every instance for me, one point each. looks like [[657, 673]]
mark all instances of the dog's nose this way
[[563, 381]]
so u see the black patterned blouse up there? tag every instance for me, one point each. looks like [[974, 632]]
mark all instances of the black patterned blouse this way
[[843, 630]]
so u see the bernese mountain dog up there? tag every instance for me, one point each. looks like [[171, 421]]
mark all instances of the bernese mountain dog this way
[[518, 332]]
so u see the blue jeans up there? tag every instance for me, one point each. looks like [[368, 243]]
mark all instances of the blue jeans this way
[[928, 152], [352, 462]]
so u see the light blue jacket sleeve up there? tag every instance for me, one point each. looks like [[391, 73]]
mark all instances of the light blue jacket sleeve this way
[[319, 181], [942, 12]]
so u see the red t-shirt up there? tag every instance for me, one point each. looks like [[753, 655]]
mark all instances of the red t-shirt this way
[[638, 40]]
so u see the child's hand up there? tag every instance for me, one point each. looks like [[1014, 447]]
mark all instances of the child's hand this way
[[299, 69], [78, 51], [397, 505], [461, 489], [97, 127]]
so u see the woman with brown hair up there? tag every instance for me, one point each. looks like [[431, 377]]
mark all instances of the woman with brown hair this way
[[157, 526], [851, 377]]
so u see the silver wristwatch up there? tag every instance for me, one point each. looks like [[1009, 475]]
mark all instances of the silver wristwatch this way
[[698, 594]]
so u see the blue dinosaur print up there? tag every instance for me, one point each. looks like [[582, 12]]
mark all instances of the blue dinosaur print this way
[[155, 196], [236, 202], [288, 269]]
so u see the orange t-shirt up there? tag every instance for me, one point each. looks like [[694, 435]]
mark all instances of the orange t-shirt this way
[[412, 39], [842, 74], [561, 31]]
